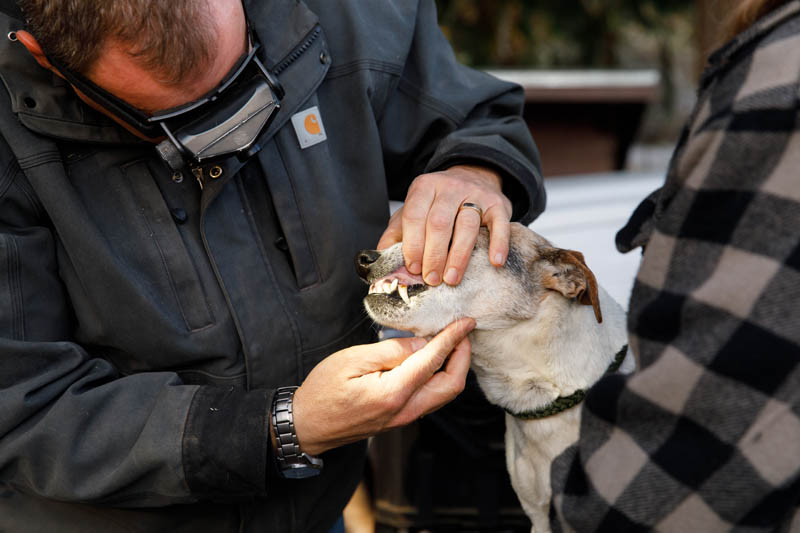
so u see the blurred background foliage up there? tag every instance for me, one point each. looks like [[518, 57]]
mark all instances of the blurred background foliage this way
[[560, 34], [597, 34]]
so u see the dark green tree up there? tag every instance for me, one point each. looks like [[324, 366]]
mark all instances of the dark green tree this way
[[551, 33]]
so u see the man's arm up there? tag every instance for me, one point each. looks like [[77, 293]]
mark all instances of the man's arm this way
[[71, 427], [459, 135]]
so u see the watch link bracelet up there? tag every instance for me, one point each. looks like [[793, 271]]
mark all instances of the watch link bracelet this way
[[292, 463]]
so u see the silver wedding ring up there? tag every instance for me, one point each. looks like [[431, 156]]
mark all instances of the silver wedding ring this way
[[469, 205]]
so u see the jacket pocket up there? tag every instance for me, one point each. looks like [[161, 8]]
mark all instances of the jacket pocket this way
[[176, 261], [294, 225], [361, 332]]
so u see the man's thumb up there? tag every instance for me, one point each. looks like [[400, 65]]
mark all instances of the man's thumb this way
[[389, 354], [421, 365]]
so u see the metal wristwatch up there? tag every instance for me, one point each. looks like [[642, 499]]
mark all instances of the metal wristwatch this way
[[292, 463]]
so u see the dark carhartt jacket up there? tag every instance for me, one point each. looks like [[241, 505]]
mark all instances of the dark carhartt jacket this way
[[145, 321]]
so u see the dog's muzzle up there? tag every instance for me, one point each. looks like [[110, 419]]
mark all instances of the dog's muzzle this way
[[364, 260]]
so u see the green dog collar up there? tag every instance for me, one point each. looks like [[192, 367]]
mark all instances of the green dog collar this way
[[562, 403]]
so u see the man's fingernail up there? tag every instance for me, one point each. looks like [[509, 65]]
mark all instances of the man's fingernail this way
[[452, 276], [418, 343], [415, 268], [498, 259], [433, 278]]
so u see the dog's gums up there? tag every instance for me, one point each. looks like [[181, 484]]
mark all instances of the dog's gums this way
[[399, 284]]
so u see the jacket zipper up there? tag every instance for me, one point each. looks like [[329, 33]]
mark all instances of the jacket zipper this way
[[299, 50]]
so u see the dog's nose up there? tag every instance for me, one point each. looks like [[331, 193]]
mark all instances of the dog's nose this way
[[364, 260]]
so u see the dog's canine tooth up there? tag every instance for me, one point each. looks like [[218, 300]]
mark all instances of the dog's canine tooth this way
[[403, 291], [394, 286]]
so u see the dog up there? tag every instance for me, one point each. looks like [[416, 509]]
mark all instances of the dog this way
[[545, 333]]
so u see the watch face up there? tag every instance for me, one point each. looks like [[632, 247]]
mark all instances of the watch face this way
[[296, 471]]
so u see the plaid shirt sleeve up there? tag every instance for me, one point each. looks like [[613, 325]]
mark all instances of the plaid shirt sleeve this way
[[706, 435]]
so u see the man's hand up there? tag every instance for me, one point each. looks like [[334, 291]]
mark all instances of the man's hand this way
[[430, 220], [360, 391]]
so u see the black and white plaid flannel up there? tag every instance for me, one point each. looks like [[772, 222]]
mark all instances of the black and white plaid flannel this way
[[706, 435]]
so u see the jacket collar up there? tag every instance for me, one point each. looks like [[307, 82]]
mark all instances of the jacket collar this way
[[47, 105], [11, 8]]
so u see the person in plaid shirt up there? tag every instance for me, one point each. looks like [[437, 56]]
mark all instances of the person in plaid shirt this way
[[706, 435]]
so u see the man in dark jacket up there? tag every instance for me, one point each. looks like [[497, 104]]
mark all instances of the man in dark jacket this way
[[148, 315]]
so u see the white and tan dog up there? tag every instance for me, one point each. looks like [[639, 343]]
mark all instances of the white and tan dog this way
[[545, 333]]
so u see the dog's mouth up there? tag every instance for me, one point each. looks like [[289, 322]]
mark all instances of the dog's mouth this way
[[399, 285]]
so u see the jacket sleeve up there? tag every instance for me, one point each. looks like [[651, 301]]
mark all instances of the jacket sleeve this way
[[72, 428], [443, 113], [706, 437]]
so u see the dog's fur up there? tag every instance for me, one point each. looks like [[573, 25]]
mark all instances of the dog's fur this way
[[544, 329]]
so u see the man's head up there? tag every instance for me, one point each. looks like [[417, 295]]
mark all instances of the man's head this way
[[154, 54]]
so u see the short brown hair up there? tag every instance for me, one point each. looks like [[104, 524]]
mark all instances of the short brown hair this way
[[747, 12], [169, 37]]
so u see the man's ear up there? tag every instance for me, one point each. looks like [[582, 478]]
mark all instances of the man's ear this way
[[569, 275], [30, 42]]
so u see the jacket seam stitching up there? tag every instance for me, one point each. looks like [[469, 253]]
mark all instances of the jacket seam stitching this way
[[164, 264], [273, 279], [414, 92], [15, 287], [372, 65], [9, 176], [358, 323], [179, 301], [210, 375], [183, 440], [302, 222], [67, 121], [39, 159], [30, 196]]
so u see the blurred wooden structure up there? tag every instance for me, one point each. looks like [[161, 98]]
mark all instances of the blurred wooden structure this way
[[584, 121]]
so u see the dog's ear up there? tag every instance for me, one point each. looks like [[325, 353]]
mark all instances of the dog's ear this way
[[570, 276]]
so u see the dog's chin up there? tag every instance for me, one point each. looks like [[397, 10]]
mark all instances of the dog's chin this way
[[422, 316], [392, 310]]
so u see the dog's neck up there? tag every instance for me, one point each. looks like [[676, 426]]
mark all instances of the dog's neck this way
[[562, 349]]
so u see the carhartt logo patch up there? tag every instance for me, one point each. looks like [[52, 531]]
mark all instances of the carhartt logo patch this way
[[308, 127]]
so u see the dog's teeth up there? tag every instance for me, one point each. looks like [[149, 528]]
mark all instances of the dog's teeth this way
[[403, 290], [394, 286]]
